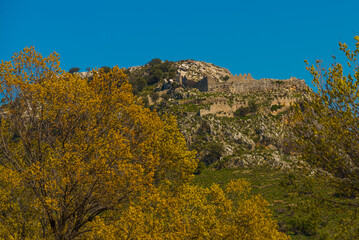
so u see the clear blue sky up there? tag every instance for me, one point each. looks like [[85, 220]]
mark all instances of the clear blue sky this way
[[265, 38]]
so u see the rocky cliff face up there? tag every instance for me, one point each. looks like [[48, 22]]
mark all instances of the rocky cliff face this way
[[232, 121]]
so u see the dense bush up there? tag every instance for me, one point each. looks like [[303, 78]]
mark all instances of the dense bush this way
[[154, 96], [214, 152], [106, 69], [153, 72], [159, 70], [225, 78], [275, 107], [244, 111], [241, 112], [74, 69]]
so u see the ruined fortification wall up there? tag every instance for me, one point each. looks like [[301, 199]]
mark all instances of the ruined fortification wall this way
[[202, 85], [265, 84], [223, 109], [240, 83], [240, 78], [245, 83]]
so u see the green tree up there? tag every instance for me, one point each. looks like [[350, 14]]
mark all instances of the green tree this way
[[106, 69], [215, 151], [156, 74], [155, 61], [74, 69], [154, 96], [139, 84], [244, 111]]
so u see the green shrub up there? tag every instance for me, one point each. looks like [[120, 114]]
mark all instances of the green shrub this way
[[201, 166], [204, 129], [244, 111], [106, 69], [139, 84], [305, 219], [215, 151], [241, 112], [154, 62], [154, 96], [275, 107], [252, 106], [225, 78], [166, 97], [74, 69], [158, 70]]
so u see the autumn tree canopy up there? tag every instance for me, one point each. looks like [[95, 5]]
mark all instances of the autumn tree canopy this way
[[84, 159], [327, 123]]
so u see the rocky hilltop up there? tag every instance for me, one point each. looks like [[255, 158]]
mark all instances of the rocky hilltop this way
[[197, 70], [193, 70]]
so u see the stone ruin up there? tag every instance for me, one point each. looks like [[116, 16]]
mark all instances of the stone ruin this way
[[241, 84], [237, 84], [223, 109]]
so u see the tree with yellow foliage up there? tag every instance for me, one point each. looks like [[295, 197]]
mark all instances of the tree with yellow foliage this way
[[82, 158], [193, 212], [76, 149], [327, 123]]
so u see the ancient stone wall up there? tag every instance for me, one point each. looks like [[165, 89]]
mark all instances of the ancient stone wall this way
[[202, 85], [240, 78], [223, 109], [238, 83]]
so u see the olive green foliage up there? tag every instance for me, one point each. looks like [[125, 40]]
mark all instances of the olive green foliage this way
[[159, 70], [225, 78], [275, 107], [74, 69], [252, 106], [215, 151], [106, 69], [140, 84], [153, 72], [200, 168], [166, 97], [290, 195], [154, 62], [154, 96], [241, 112], [244, 111], [205, 128]]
